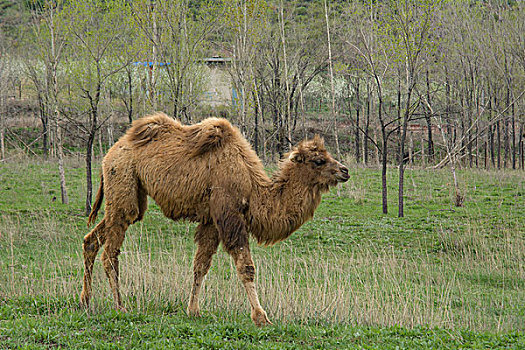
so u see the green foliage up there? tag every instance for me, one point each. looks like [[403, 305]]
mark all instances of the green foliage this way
[[96, 30], [409, 29], [173, 36]]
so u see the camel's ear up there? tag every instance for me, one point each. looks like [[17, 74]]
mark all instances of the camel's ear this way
[[296, 157], [318, 140]]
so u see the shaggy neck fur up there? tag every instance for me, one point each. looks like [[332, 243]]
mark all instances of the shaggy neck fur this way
[[281, 206]]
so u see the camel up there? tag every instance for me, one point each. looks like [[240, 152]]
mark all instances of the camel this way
[[207, 173]]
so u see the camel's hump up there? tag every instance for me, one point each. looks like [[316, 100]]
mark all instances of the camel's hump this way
[[210, 134], [151, 127], [203, 137]]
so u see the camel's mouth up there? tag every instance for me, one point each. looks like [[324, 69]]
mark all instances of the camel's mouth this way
[[343, 177]]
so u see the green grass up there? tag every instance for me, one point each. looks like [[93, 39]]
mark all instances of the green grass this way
[[442, 277], [44, 328]]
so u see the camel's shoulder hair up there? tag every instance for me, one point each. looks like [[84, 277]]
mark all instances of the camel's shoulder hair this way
[[203, 137]]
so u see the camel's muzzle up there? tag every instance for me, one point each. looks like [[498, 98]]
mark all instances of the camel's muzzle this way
[[343, 175]]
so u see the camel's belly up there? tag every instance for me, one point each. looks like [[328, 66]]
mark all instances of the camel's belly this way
[[194, 207]]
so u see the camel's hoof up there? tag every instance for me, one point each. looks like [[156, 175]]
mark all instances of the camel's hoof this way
[[84, 301], [121, 308], [193, 312], [260, 318]]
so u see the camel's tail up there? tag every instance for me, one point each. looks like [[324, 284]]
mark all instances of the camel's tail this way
[[98, 202]]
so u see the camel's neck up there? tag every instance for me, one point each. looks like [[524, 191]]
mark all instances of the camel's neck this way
[[281, 207]]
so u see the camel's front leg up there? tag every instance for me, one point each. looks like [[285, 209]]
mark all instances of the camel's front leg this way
[[207, 239], [226, 211], [246, 271]]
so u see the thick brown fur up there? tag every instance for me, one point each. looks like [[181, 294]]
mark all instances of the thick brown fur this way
[[206, 173]]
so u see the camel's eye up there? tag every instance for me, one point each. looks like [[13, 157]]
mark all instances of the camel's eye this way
[[319, 162]]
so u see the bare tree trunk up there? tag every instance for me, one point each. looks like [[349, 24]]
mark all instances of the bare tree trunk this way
[[458, 197], [486, 150], [111, 138], [406, 119], [256, 121], [498, 132], [384, 158], [60, 155], [506, 136], [491, 146], [94, 103], [401, 210], [275, 103], [263, 140], [153, 68], [486, 154], [52, 139], [384, 151], [430, 141], [410, 148], [491, 134], [58, 131], [422, 144], [513, 134], [477, 143], [100, 145], [303, 112], [332, 87], [89, 182], [367, 123], [466, 129], [399, 156], [2, 128], [357, 127], [130, 97], [286, 120], [42, 112], [506, 143], [521, 146], [2, 144]]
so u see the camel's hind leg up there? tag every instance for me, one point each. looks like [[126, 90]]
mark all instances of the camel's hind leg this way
[[114, 239], [207, 239], [126, 203], [92, 243], [122, 209]]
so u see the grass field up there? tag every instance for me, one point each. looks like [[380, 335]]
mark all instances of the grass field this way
[[442, 277]]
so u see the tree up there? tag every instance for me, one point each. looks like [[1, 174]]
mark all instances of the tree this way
[[409, 25], [374, 61], [96, 28], [177, 32], [332, 89], [5, 78], [48, 28], [281, 87], [245, 22]]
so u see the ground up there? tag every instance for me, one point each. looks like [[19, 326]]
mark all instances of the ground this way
[[442, 277]]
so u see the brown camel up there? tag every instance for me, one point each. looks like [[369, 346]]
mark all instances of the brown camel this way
[[206, 173]]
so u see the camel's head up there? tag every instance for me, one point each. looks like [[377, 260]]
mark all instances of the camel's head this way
[[316, 164]]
